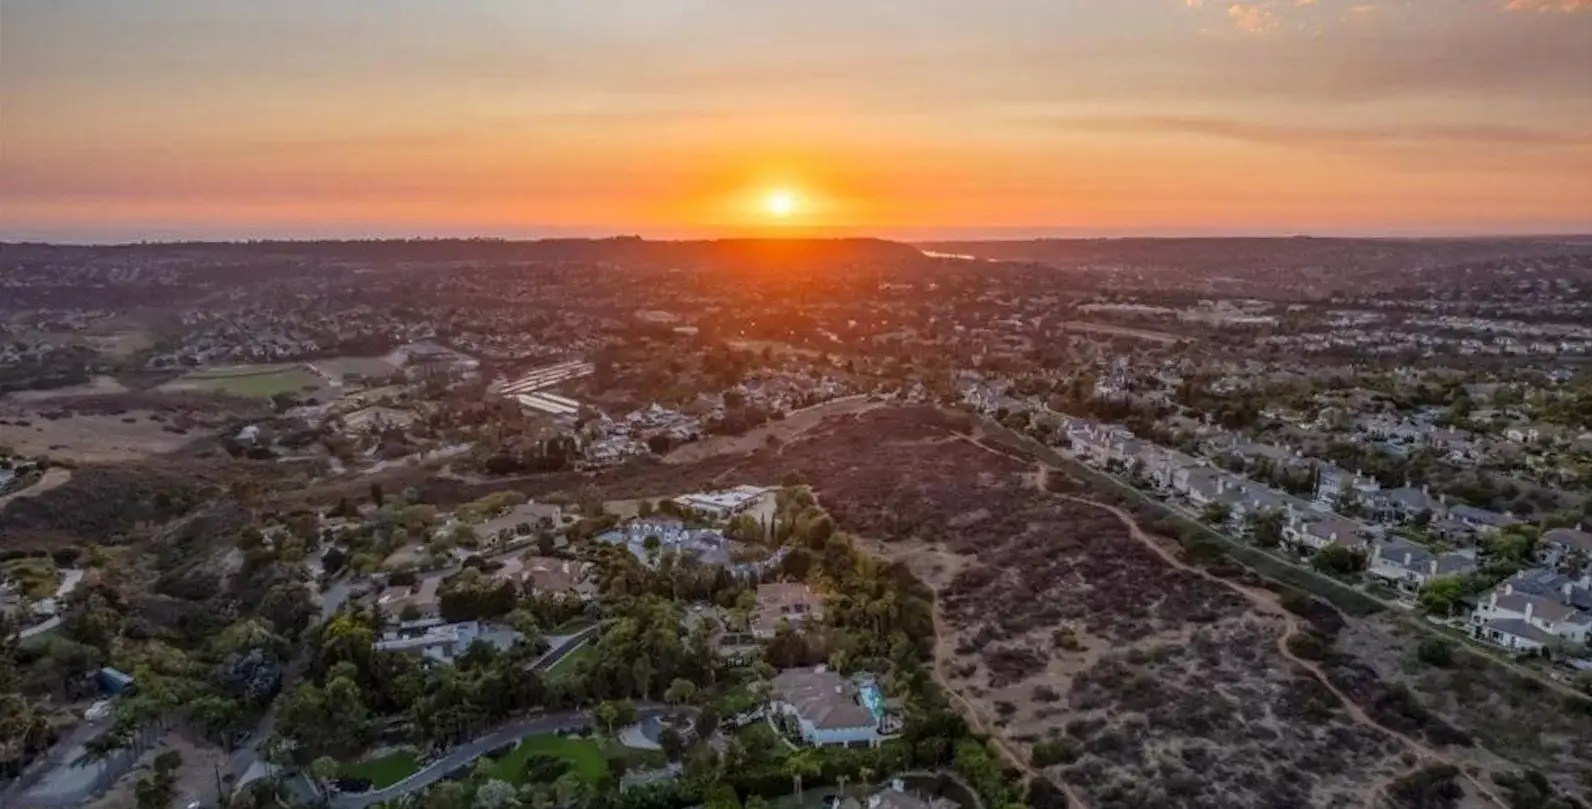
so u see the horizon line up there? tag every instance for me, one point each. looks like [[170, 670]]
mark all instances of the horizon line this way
[[808, 235]]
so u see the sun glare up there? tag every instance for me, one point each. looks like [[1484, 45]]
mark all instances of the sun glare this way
[[781, 203]]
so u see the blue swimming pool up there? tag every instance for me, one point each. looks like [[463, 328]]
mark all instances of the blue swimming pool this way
[[873, 698]]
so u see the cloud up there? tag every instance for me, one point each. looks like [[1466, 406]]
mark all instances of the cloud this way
[[1545, 6], [1254, 18]]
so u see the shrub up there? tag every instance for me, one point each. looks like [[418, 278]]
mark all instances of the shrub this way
[[1309, 646], [1055, 751], [1436, 651], [544, 769]]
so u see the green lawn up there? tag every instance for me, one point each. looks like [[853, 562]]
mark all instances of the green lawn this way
[[571, 626], [384, 771], [258, 382], [585, 756], [567, 664]]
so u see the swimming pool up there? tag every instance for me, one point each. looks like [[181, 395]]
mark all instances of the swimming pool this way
[[872, 698]]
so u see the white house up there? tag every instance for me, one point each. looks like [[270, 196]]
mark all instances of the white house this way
[[830, 710], [1514, 618], [1317, 534], [722, 504], [1408, 566], [441, 642]]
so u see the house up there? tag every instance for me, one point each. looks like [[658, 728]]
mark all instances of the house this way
[[548, 575], [1317, 534], [377, 419], [1535, 609], [1534, 433], [1481, 520], [420, 601], [533, 517], [1408, 566], [1095, 441], [722, 505], [442, 642], [1405, 504], [1560, 543], [792, 602], [1334, 481], [828, 709], [897, 797]]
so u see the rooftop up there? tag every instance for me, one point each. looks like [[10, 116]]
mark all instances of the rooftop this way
[[824, 698]]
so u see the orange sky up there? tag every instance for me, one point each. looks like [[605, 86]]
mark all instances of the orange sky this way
[[223, 118]]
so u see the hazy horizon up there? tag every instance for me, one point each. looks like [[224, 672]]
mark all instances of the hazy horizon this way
[[934, 120]]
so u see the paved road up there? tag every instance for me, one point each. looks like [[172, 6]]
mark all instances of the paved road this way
[[69, 580], [248, 755]]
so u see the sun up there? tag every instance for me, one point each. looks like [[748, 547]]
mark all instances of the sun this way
[[781, 203]]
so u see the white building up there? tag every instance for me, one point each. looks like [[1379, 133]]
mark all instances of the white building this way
[[724, 504], [1535, 609], [830, 710], [442, 642]]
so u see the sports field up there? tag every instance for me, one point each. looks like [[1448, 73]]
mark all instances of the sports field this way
[[250, 381]]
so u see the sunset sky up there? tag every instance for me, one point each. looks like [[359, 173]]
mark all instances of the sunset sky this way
[[904, 118]]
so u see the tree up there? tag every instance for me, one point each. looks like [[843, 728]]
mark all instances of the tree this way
[[607, 717], [680, 692], [496, 794], [1216, 513], [1265, 527], [1440, 595], [671, 742], [159, 788], [721, 796], [1338, 559], [642, 672], [324, 769], [289, 608]]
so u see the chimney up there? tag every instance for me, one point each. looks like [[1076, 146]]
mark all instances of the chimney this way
[[1528, 610], [874, 801]]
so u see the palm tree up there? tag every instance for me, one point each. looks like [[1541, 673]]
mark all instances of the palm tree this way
[[802, 764]]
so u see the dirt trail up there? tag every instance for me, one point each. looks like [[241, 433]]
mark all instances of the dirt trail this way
[[52, 477], [1269, 602]]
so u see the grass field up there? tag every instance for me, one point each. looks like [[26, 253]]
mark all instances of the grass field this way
[[571, 626], [249, 381], [567, 664], [585, 756], [384, 771]]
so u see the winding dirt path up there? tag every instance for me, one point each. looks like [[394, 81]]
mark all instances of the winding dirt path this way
[[53, 477], [1270, 602]]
